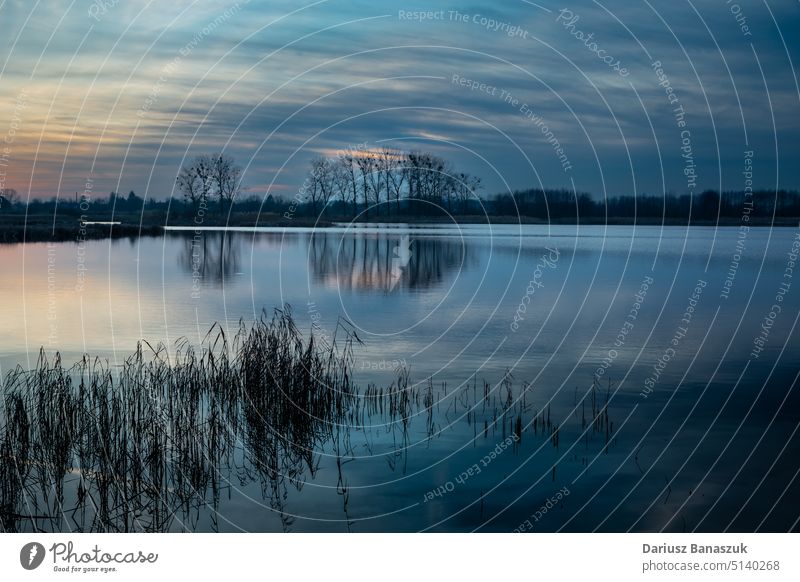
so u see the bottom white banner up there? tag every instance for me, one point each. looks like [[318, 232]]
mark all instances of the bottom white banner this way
[[357, 557]]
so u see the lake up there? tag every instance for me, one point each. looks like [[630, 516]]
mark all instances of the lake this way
[[567, 378]]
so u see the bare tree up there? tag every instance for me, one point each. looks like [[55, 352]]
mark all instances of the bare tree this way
[[364, 162], [465, 187], [344, 176], [189, 186], [439, 178], [323, 176], [396, 175], [225, 177], [429, 177], [413, 174], [204, 168], [195, 181], [375, 178]]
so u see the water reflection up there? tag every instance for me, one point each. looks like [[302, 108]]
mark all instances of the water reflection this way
[[351, 260], [210, 257], [161, 443], [454, 302], [385, 262]]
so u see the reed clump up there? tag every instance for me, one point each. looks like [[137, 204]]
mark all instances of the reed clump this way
[[155, 443], [143, 447]]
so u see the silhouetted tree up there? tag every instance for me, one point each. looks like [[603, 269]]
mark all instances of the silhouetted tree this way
[[195, 181], [225, 177]]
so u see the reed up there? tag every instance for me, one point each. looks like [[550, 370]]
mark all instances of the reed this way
[[155, 444]]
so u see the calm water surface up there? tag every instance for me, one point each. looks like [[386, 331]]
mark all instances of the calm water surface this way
[[691, 333]]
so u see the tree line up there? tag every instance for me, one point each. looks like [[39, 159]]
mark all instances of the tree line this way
[[354, 182], [707, 205], [387, 182], [381, 183]]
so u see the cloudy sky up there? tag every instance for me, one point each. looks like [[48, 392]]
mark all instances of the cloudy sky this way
[[117, 94]]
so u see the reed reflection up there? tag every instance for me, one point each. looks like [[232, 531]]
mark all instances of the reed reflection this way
[[161, 442]]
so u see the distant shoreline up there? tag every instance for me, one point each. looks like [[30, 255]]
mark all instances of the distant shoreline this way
[[42, 228]]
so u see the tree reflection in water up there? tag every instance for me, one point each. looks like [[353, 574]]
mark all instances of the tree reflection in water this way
[[385, 261]]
